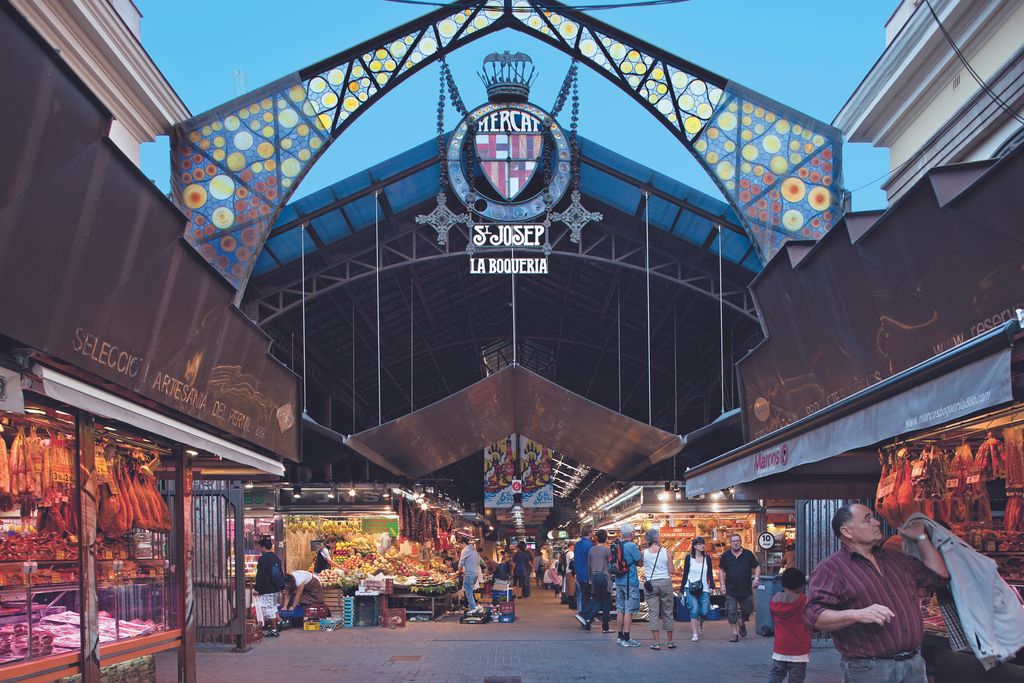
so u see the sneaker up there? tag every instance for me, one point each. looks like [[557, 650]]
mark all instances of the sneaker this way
[[734, 638], [695, 638], [583, 622], [605, 630], [271, 634], [743, 630], [621, 642], [632, 643]]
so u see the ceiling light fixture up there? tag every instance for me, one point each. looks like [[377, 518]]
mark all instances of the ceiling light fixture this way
[[296, 492]]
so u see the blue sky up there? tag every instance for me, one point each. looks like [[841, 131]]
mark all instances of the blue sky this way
[[808, 54]]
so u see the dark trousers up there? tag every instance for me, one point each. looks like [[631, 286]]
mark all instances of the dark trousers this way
[[797, 671], [585, 596], [524, 583], [600, 603]]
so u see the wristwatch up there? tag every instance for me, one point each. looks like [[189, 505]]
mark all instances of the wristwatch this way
[[921, 537]]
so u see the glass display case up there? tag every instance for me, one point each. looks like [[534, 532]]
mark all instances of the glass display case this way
[[40, 568], [134, 562]]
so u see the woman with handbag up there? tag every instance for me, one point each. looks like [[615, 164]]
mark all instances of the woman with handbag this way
[[658, 588], [698, 579]]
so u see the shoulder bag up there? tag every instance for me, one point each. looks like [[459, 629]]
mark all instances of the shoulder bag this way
[[696, 588], [648, 586]]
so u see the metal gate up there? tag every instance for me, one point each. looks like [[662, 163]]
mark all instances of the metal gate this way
[[814, 538], [218, 563]]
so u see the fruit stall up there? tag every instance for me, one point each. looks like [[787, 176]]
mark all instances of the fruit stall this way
[[421, 579]]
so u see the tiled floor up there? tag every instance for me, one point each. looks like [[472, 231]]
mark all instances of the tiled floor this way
[[545, 644]]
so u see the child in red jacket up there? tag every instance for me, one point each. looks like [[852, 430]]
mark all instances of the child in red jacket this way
[[792, 635]]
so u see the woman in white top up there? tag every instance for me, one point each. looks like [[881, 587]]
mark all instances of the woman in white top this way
[[658, 572], [698, 579]]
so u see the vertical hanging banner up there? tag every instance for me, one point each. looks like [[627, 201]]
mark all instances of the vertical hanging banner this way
[[499, 471], [535, 464]]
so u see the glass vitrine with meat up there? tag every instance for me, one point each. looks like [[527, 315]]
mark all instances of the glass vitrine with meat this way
[[39, 566]]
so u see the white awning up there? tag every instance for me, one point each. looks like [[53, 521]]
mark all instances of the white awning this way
[[66, 389]]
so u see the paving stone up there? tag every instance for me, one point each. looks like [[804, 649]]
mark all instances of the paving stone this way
[[544, 645]]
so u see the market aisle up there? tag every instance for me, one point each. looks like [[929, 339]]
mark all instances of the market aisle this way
[[545, 644]]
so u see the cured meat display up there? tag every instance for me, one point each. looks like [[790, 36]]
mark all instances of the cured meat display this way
[[128, 495], [35, 471], [40, 530], [1013, 517]]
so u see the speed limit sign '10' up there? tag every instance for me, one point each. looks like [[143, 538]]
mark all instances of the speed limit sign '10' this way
[[766, 541]]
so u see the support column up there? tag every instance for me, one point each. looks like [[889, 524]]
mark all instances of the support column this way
[[183, 557], [88, 595]]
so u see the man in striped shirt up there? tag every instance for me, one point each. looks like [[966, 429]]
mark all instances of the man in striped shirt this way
[[867, 597]]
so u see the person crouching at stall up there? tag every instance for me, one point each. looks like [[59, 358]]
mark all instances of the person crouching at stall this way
[[302, 588], [698, 580]]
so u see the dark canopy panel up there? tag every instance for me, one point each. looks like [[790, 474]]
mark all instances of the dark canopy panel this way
[[515, 400]]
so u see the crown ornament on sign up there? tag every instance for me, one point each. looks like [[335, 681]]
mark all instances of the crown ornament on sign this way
[[508, 76]]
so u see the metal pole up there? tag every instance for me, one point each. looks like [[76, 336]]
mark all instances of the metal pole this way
[[515, 339], [412, 348], [88, 594], [618, 335], [721, 316], [647, 271], [302, 252], [376, 238]]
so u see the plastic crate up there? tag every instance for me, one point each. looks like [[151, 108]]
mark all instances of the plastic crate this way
[[311, 625], [506, 608], [502, 596], [506, 618]]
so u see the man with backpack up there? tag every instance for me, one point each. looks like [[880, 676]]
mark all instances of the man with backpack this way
[[269, 582], [625, 557]]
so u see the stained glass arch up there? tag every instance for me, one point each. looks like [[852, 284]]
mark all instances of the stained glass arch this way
[[234, 167]]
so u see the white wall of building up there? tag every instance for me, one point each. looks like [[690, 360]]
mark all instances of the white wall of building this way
[[99, 41], [920, 101]]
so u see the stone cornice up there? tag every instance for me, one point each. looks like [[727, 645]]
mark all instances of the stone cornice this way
[[914, 67], [95, 42]]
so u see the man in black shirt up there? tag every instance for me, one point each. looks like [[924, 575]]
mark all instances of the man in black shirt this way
[[269, 581], [735, 567]]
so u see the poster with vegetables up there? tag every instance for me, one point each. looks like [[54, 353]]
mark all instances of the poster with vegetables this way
[[499, 471], [535, 462]]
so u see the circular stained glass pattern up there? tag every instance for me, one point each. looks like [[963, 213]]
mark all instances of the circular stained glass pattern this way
[[194, 196], [793, 190], [792, 220], [222, 187], [222, 217], [819, 198]]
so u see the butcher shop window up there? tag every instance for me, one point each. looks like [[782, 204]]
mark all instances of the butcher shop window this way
[[39, 568], [135, 523], [40, 603]]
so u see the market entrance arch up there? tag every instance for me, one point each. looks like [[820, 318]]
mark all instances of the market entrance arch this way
[[234, 167]]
